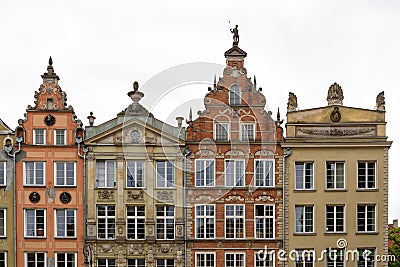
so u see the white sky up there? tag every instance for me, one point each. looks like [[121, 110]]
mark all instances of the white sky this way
[[100, 47]]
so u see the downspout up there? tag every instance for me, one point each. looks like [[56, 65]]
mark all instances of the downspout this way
[[186, 153], [287, 153]]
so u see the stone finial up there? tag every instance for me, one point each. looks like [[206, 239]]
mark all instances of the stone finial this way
[[50, 75], [255, 82], [380, 101], [335, 95], [292, 102], [190, 119], [278, 118], [135, 86], [215, 82]]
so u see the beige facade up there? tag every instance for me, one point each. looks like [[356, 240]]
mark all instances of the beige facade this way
[[336, 192], [135, 190]]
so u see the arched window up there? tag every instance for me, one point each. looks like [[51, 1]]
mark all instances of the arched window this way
[[234, 95]]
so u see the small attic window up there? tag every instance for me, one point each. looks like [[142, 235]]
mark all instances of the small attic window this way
[[49, 103]]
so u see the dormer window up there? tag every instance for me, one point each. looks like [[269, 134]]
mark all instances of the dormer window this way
[[235, 95]]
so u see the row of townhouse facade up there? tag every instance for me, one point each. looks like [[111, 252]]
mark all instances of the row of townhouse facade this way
[[227, 190]]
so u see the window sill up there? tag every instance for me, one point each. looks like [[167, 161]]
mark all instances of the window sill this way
[[335, 190], [35, 237], [305, 234], [304, 190], [65, 237], [33, 185], [367, 233], [67, 186], [335, 233], [367, 190]]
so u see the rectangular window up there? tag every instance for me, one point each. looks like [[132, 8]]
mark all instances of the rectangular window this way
[[304, 258], [165, 174], [35, 259], [39, 136], [264, 173], [264, 259], [264, 220], [3, 259], [335, 257], [59, 137], [134, 173], [3, 173], [64, 173], [366, 175], [234, 221], [34, 173], [366, 257], [304, 219], [235, 95], [205, 221], [248, 133], [234, 173], [165, 222], [135, 222], [106, 262], [304, 176], [221, 131], [106, 222], [334, 218], [105, 175], [165, 263], [335, 175], [3, 223], [204, 172], [206, 259], [35, 223], [136, 263], [366, 218], [234, 260], [66, 259], [65, 222]]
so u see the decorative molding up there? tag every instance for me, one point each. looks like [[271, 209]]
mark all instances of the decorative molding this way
[[106, 248], [207, 198], [135, 249], [335, 115], [264, 197], [165, 195], [335, 95], [135, 195], [105, 194], [336, 131], [234, 198]]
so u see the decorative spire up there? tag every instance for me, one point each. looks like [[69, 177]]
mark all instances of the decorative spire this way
[[335, 95], [278, 118], [255, 83], [189, 121], [50, 75], [215, 82]]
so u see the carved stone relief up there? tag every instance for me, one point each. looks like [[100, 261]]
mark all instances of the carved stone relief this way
[[135, 195], [165, 195], [105, 194], [336, 131]]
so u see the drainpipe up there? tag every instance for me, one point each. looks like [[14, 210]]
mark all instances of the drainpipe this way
[[287, 153], [186, 152]]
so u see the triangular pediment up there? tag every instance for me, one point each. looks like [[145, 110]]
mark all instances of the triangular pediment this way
[[235, 51], [4, 127]]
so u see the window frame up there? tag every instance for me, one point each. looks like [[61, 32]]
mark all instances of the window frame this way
[[134, 177], [56, 163], [35, 224], [265, 218], [106, 217], [303, 163], [66, 258], [366, 263], [64, 136], [136, 263], [237, 99], [304, 219], [227, 129], [204, 218], [366, 162], [165, 223], [106, 173], [235, 258], [304, 260], [36, 253], [165, 264], [5, 258], [25, 177], [3, 177], [35, 134], [375, 221], [265, 263], [242, 124], [335, 218], [335, 262], [235, 217], [335, 176], [204, 162], [166, 183], [107, 264], [135, 217], [264, 172], [4, 226], [65, 223], [235, 181], [204, 254]]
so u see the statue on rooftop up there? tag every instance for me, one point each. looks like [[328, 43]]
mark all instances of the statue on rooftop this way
[[235, 32]]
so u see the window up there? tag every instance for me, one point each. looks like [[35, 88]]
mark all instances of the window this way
[[106, 222], [3, 259], [35, 223], [221, 131], [165, 218], [165, 263], [264, 173], [234, 173], [264, 259], [66, 259], [105, 173], [304, 258], [39, 136], [304, 175], [65, 222], [106, 262], [35, 259], [204, 172], [366, 257], [135, 222], [366, 175], [59, 137], [366, 218], [234, 260], [64, 173], [3, 173], [134, 173], [335, 175], [3, 222], [165, 174], [205, 221], [247, 132], [34, 173], [234, 95], [334, 218], [264, 221], [234, 221], [136, 263], [304, 219], [335, 257], [205, 259]]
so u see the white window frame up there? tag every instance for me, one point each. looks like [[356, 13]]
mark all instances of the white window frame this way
[[235, 258], [35, 224], [303, 177], [335, 261], [365, 205], [35, 176], [226, 126], [34, 252], [135, 223], [107, 263], [242, 124], [235, 174], [5, 258], [4, 226], [204, 217], [366, 162], [107, 218], [237, 99], [305, 259], [65, 223], [64, 134], [66, 258], [165, 264], [264, 172], [265, 263], [3, 173], [34, 137], [107, 173], [335, 175], [164, 218], [136, 262], [134, 168], [265, 219], [235, 217], [205, 164], [335, 218], [303, 221], [162, 178], [205, 254], [65, 174], [360, 254]]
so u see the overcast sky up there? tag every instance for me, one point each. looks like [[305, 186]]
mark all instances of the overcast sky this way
[[100, 47]]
